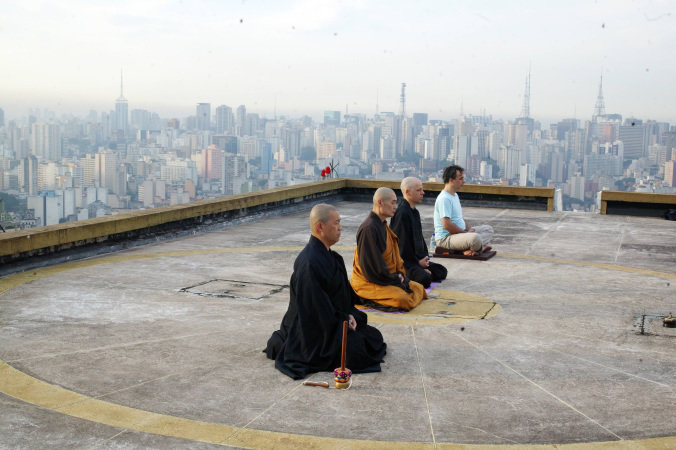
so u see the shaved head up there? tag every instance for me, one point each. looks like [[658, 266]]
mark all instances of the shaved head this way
[[383, 193], [384, 202], [409, 183], [320, 213], [412, 190]]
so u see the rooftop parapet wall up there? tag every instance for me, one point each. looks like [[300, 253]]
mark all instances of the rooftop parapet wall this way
[[80, 239], [513, 197], [636, 203]]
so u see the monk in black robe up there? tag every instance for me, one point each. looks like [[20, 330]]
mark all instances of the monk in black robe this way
[[408, 228], [310, 337]]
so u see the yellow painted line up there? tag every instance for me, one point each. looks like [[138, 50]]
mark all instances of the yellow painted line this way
[[26, 388], [23, 387]]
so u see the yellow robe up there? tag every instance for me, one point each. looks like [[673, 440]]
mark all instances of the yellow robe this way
[[387, 295]]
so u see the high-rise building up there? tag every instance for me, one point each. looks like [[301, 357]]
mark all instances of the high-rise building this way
[[387, 150], [88, 165], [462, 150], [2, 118], [28, 175], [564, 126], [419, 119], [240, 121], [576, 186], [527, 175], [633, 138], [253, 123], [203, 115], [47, 207], [140, 119], [332, 118], [212, 163], [106, 165], [605, 159], [556, 167], [46, 141], [266, 158], [670, 173], [326, 149], [225, 120], [233, 174], [443, 142], [121, 114], [509, 161]]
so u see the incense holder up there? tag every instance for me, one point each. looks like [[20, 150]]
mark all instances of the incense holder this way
[[342, 377]]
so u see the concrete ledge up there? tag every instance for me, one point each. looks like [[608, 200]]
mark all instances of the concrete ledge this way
[[636, 203], [152, 223], [515, 197], [111, 233]]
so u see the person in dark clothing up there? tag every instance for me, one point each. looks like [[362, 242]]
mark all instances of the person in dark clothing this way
[[408, 228], [378, 273], [310, 337]]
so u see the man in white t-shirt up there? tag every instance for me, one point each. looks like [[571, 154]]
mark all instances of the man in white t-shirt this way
[[450, 229]]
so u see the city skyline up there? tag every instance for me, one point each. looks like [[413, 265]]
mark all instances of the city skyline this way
[[297, 58]]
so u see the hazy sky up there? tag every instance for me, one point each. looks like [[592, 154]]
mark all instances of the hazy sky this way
[[308, 56]]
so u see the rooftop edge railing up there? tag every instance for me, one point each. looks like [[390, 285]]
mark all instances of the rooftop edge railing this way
[[636, 203]]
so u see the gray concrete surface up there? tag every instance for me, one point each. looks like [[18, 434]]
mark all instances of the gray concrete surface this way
[[149, 329]]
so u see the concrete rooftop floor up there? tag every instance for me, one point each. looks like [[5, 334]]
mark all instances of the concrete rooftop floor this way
[[160, 346]]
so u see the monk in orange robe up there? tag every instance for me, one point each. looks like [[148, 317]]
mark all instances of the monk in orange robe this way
[[378, 272]]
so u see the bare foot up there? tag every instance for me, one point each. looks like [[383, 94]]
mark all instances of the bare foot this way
[[469, 253]]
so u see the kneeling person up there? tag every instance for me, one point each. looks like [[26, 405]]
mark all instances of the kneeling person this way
[[310, 336], [378, 272], [408, 228]]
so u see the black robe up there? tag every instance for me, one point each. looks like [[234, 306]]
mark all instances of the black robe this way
[[310, 337], [407, 226]]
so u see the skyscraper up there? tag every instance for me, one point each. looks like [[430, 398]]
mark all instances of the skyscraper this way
[[633, 139], [121, 113], [203, 114], [46, 141], [224, 120], [670, 173], [106, 171], [332, 118], [241, 121], [88, 165], [212, 163], [28, 175]]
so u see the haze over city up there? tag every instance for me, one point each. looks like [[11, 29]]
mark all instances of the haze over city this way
[[296, 58]]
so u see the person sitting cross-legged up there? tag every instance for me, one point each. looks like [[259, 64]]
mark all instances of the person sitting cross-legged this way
[[378, 272], [407, 226], [450, 229]]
